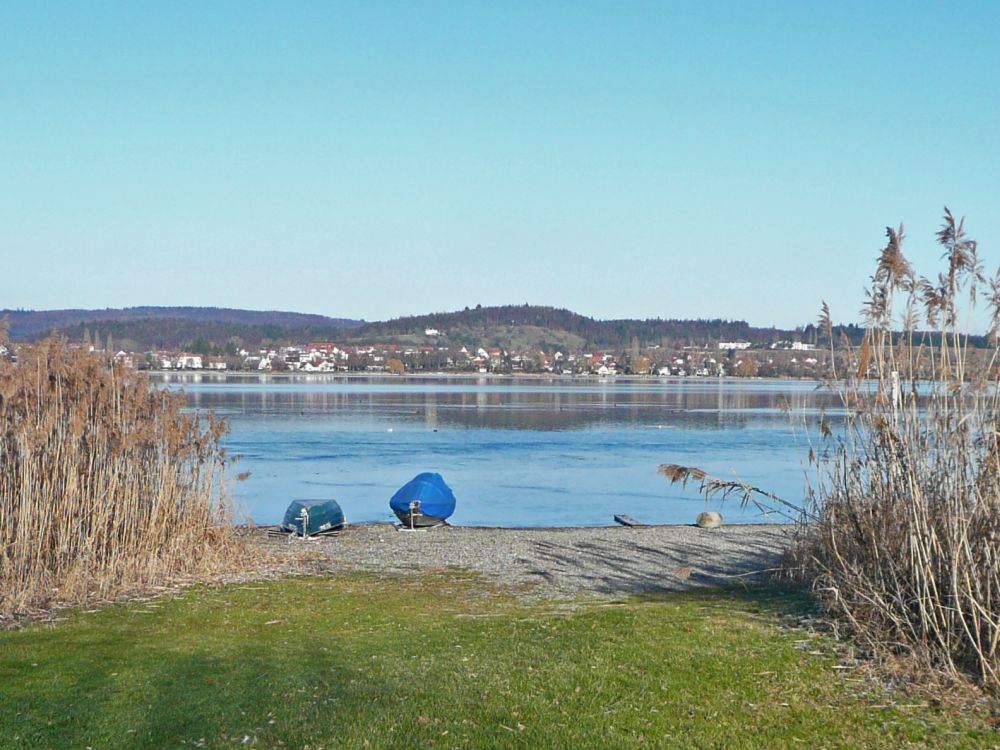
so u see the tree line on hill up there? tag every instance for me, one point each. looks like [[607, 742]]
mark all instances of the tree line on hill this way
[[221, 330], [621, 333], [34, 324]]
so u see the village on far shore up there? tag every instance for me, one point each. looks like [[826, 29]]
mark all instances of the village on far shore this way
[[712, 359]]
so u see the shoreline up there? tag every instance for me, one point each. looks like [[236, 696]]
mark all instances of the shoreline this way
[[564, 562], [398, 527], [298, 374]]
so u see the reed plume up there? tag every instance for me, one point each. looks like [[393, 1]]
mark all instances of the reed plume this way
[[905, 543], [900, 526], [106, 484]]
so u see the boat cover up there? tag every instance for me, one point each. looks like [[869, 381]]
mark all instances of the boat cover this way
[[436, 498]]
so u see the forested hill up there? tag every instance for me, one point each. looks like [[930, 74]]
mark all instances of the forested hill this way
[[28, 324], [489, 323], [513, 327]]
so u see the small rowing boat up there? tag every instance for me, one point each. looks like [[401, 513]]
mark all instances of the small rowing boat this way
[[313, 517]]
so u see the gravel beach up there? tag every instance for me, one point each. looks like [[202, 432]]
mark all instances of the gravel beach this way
[[567, 561]]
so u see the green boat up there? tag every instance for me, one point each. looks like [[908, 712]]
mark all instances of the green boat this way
[[313, 517]]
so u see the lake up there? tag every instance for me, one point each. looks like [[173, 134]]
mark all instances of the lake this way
[[517, 452]]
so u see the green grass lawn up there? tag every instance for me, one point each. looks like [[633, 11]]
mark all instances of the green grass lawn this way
[[368, 661]]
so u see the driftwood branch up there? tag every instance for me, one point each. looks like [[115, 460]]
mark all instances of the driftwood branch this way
[[715, 487]]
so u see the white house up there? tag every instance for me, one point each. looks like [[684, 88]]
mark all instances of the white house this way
[[189, 362]]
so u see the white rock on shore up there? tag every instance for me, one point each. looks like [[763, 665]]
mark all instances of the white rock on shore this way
[[710, 519]]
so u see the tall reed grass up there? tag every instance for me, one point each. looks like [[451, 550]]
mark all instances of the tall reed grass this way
[[901, 525], [106, 486]]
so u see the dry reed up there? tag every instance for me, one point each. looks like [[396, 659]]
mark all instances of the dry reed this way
[[901, 526], [106, 486]]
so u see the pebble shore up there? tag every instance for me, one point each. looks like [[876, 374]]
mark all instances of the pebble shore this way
[[567, 561]]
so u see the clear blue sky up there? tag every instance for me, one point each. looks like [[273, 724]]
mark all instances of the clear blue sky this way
[[367, 159]]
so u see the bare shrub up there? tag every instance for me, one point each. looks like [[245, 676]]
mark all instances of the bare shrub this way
[[106, 486], [900, 534]]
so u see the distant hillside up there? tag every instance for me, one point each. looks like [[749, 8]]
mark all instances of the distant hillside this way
[[506, 325], [513, 327], [192, 335], [30, 324]]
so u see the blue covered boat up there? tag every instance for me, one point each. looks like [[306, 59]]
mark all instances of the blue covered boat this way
[[426, 500]]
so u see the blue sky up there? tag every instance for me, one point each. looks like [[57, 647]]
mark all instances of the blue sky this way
[[736, 160]]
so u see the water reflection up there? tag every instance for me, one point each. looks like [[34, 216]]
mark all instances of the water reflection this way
[[538, 406]]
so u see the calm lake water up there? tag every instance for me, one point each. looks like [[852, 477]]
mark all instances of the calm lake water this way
[[557, 452]]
